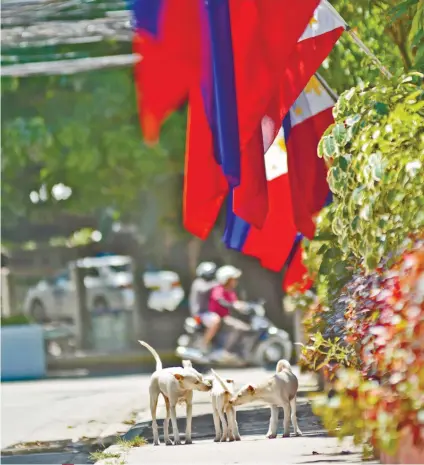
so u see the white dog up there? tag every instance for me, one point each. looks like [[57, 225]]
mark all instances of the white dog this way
[[279, 391], [222, 391], [176, 385]]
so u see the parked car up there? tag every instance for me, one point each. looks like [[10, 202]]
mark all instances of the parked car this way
[[109, 284]]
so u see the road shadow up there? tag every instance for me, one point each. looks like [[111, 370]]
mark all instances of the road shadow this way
[[251, 423]]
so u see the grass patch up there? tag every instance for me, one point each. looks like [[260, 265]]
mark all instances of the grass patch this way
[[138, 441], [100, 455], [129, 422]]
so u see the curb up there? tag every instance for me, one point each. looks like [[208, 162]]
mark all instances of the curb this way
[[86, 445], [106, 360]]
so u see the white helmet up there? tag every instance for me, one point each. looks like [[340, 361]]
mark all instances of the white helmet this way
[[206, 270], [227, 272]]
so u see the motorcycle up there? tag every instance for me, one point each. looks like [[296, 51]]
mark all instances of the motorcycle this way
[[263, 345]]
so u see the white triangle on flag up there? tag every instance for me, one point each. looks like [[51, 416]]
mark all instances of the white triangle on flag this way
[[313, 100], [324, 20], [276, 158]]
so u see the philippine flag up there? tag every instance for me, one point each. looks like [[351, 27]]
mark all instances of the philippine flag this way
[[296, 178]]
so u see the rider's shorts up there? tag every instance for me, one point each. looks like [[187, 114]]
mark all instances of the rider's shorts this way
[[209, 318]]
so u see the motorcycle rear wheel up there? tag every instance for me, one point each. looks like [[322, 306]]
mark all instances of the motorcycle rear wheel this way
[[270, 351]]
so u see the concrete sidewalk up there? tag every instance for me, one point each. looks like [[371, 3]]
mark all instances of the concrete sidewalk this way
[[314, 447], [250, 450]]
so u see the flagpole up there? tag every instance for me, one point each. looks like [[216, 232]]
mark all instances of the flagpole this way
[[329, 90], [358, 41], [367, 51]]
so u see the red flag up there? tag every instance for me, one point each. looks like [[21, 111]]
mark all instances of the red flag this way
[[323, 31], [297, 274], [170, 63], [292, 202], [264, 35], [205, 186], [308, 173]]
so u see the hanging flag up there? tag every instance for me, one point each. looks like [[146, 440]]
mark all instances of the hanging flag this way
[[205, 186], [296, 273], [230, 78], [310, 115], [296, 180], [314, 46], [264, 34], [166, 37]]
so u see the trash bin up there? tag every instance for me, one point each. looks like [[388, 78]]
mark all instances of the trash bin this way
[[22, 352]]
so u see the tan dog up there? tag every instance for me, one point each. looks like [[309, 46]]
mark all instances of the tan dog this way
[[221, 392], [279, 391], [176, 385]]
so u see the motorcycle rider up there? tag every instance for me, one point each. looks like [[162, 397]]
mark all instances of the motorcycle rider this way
[[201, 289], [223, 299]]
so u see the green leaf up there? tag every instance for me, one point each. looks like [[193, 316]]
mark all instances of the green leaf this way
[[329, 146], [340, 134], [343, 163], [381, 108]]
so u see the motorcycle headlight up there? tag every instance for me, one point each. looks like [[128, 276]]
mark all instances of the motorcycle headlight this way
[[273, 330]]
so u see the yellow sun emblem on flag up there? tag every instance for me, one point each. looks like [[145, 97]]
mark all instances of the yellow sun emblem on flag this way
[[314, 86], [281, 143], [313, 21]]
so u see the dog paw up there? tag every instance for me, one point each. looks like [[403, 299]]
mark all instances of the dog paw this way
[[156, 444], [223, 439], [177, 442], [188, 441], [299, 433], [286, 435], [231, 438], [168, 442], [271, 436], [218, 439], [238, 438]]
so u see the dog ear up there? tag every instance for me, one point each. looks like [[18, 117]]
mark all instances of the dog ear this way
[[250, 389], [178, 377], [187, 364]]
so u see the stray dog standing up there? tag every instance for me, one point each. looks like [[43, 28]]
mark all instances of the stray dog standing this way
[[279, 391], [176, 385], [222, 391]]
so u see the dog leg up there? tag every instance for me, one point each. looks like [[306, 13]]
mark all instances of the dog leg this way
[[189, 415], [168, 441], [224, 426], [230, 420], [273, 423], [154, 396], [177, 440], [296, 428], [236, 429], [286, 408], [216, 421]]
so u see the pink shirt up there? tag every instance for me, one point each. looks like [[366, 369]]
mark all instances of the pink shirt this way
[[217, 293]]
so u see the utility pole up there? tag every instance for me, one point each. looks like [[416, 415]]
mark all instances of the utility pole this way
[[83, 320]]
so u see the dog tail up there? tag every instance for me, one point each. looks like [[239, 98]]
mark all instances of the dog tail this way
[[283, 365], [221, 381], [154, 353]]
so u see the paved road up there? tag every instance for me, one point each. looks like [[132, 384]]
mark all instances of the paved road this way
[[69, 409], [52, 410]]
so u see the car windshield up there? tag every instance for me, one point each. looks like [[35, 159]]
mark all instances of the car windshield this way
[[120, 268]]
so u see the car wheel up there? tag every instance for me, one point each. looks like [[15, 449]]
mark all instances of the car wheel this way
[[38, 312], [100, 304]]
